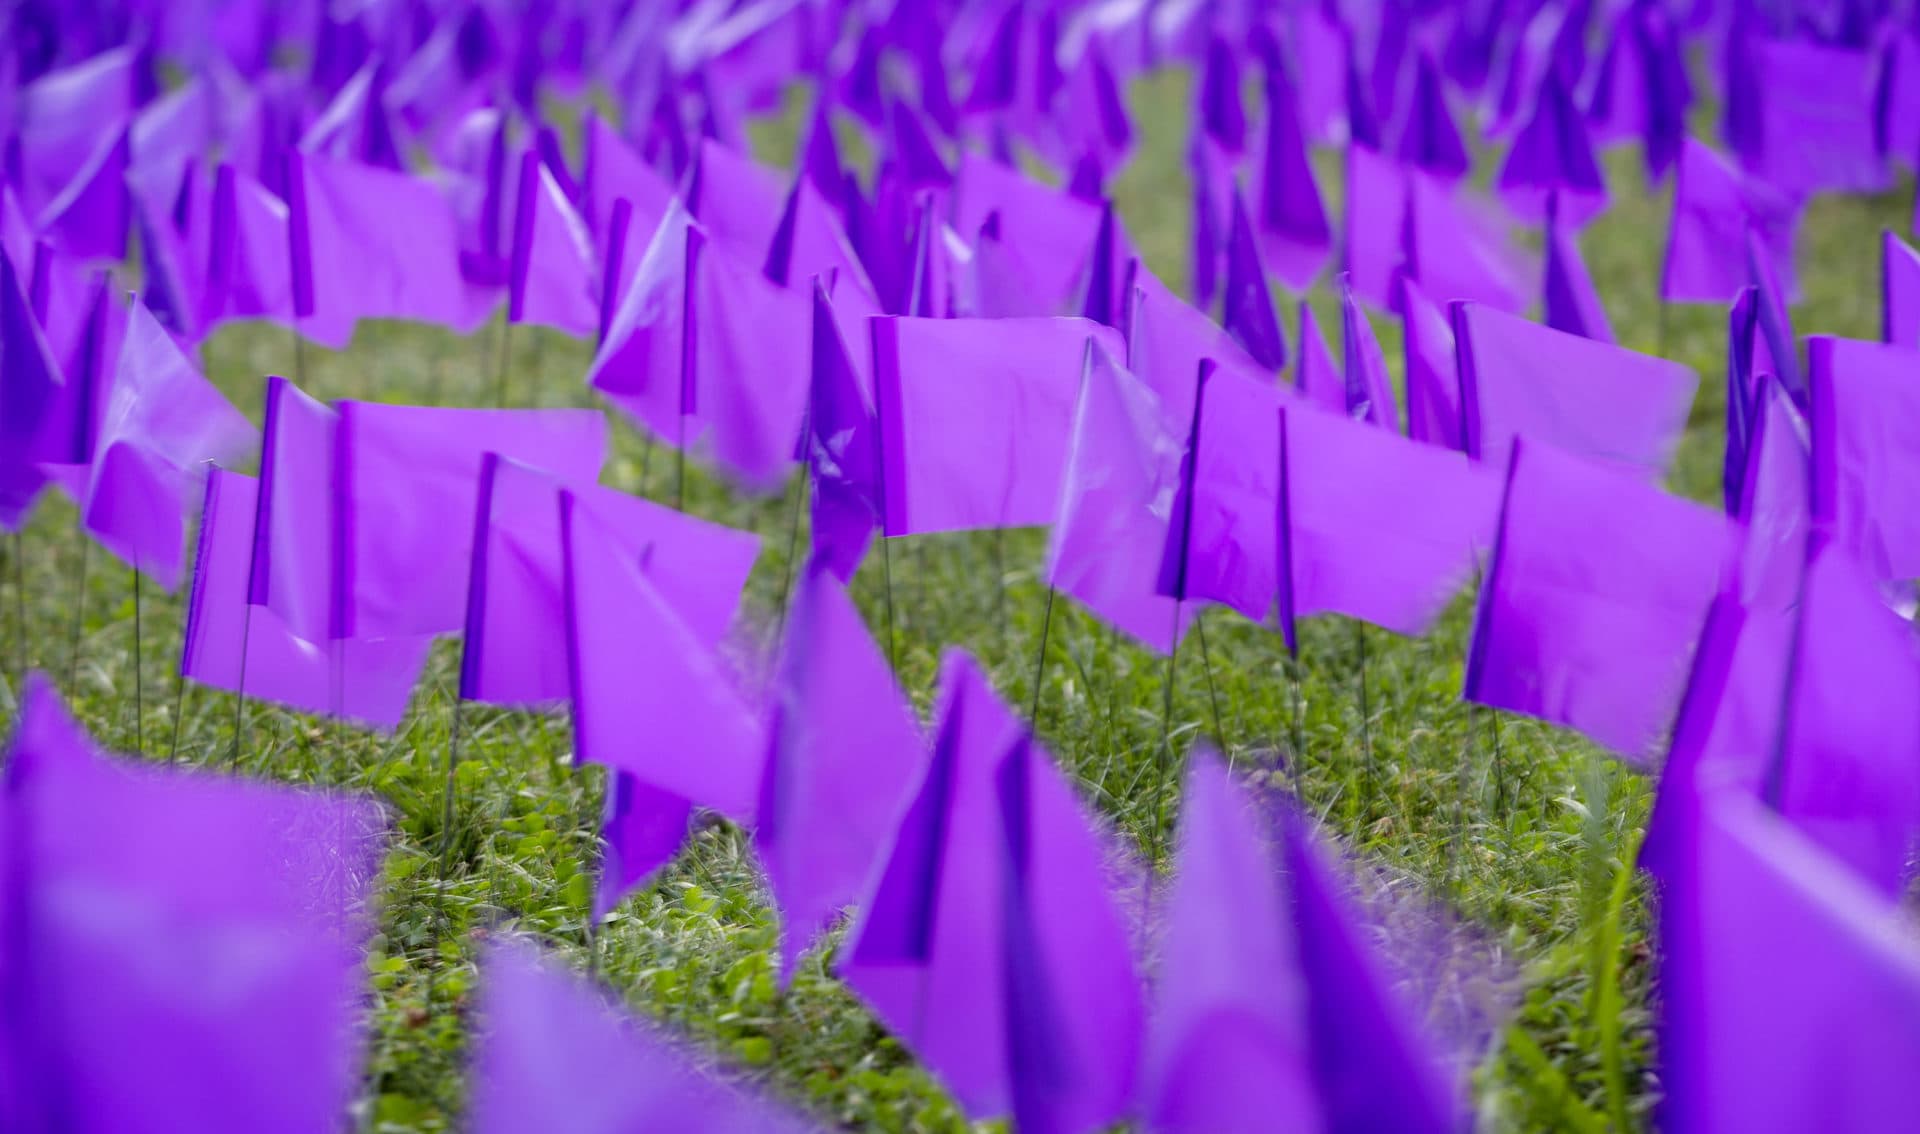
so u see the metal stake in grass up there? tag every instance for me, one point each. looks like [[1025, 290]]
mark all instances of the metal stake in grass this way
[[139, 682], [20, 606], [79, 615], [240, 689], [1366, 723]]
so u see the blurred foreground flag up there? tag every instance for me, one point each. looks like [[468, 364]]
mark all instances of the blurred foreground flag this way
[[181, 949]]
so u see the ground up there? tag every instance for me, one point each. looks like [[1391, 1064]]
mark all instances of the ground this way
[[1525, 831]]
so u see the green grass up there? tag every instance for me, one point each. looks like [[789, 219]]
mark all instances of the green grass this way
[[1526, 831]]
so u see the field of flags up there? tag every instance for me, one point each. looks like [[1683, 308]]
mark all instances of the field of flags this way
[[522, 613]]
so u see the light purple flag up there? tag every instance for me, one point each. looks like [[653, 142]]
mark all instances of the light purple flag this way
[[1815, 128], [1295, 236], [557, 1054], [929, 951], [1599, 401], [1123, 467], [1459, 247], [1865, 413], [612, 170], [1049, 230], [844, 754], [975, 417], [1375, 223], [737, 200], [810, 242], [90, 217], [370, 243], [1597, 592], [1771, 951], [1167, 338], [1228, 1039], [1090, 114], [1375, 526], [649, 698], [163, 423], [1773, 500], [515, 632], [553, 278], [355, 125], [1570, 302], [247, 274], [1316, 375], [232, 645], [1369, 391], [1899, 292], [1432, 378], [1714, 205], [1552, 158], [842, 443], [65, 119], [1247, 311], [1221, 543], [225, 918]]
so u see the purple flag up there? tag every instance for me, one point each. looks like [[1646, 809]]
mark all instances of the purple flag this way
[[842, 443], [1123, 466], [647, 692], [1050, 231], [557, 1054], [1713, 207], [1598, 588], [1429, 139], [1773, 500], [929, 951], [1228, 1038], [737, 200], [553, 279], [1865, 414], [232, 645], [1552, 157], [515, 635], [642, 828], [36, 425], [1899, 292], [1377, 207], [1458, 247], [372, 243], [1247, 311], [1221, 544], [162, 425], [224, 917], [1432, 379], [1295, 236], [844, 754], [611, 170], [1369, 392], [1599, 401], [1319, 379], [1757, 909], [810, 242], [1375, 526], [1167, 338], [90, 216], [1571, 304], [355, 125], [1222, 114], [1814, 128], [248, 275], [66, 120], [975, 416]]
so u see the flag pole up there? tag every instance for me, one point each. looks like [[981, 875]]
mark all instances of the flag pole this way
[[79, 615], [1040, 664], [139, 681], [1366, 723], [240, 688], [1165, 756], [1213, 698], [20, 603]]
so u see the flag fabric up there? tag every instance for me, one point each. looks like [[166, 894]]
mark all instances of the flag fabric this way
[[1592, 399], [1247, 311], [1552, 159], [555, 1053], [1048, 232], [553, 278], [1122, 470], [1372, 248], [842, 442], [228, 918], [1714, 205], [844, 754], [1458, 247], [37, 425], [1369, 391], [1899, 292], [248, 273], [1595, 597], [1814, 127], [1570, 302], [1167, 338], [1865, 413], [1221, 542], [1427, 365], [1294, 233], [610, 171], [975, 416], [249, 650], [1429, 138], [1316, 376]]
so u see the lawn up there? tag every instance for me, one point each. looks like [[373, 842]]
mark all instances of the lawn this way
[[1526, 833]]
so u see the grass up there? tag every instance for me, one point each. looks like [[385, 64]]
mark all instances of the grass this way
[[1525, 831]]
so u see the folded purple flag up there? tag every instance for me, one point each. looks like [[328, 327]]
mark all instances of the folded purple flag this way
[[1899, 292], [553, 280], [515, 632], [1375, 526], [649, 698], [1228, 1038], [612, 170], [737, 200], [1167, 338], [1552, 157], [975, 417], [557, 1054], [372, 243], [1713, 207], [1570, 302], [1090, 113], [163, 424], [1247, 310], [1597, 592], [1123, 466], [1429, 138], [1221, 112], [1295, 236], [90, 216], [224, 918], [247, 274], [65, 120], [809, 242], [1773, 500], [1050, 231], [1459, 247], [929, 951], [355, 125], [1593, 399], [1765, 938], [232, 645], [1319, 379], [38, 424], [1369, 391], [844, 754], [1865, 412], [1432, 378], [1221, 543], [842, 444]]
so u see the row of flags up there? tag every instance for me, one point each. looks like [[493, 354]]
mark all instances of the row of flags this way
[[948, 343]]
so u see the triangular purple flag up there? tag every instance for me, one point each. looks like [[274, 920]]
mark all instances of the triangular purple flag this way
[[1571, 304], [1429, 138], [1295, 236], [1316, 375], [1247, 311], [1222, 114], [1714, 206], [842, 443], [1552, 158], [1372, 246], [1369, 391]]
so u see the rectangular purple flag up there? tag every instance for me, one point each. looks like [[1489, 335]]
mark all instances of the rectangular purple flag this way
[[553, 279], [1899, 291], [1598, 590], [1221, 543], [1428, 366], [1167, 338], [1866, 451], [1714, 205]]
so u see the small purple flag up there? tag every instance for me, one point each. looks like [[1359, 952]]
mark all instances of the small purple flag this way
[[552, 280], [975, 417], [1597, 592], [1295, 236], [1167, 338], [647, 693], [1247, 311], [1552, 158], [36, 425], [1814, 129], [1123, 466], [844, 754], [1429, 138], [737, 200], [1865, 412], [1369, 391], [842, 443], [611, 170], [1372, 251], [1316, 375], [225, 918], [1049, 230], [1458, 247], [556, 1054], [247, 274], [1602, 402], [1714, 205], [1432, 378], [1221, 543], [230, 644], [1571, 304], [1899, 292]]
